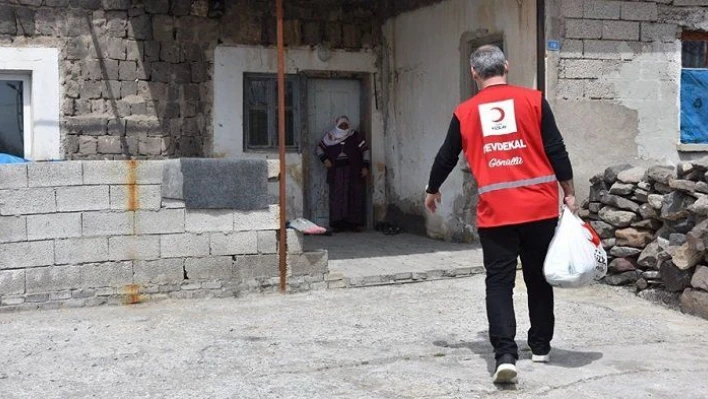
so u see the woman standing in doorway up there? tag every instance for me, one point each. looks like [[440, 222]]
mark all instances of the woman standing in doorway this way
[[345, 154]]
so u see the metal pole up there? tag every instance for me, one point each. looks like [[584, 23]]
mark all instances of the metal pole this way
[[281, 144]]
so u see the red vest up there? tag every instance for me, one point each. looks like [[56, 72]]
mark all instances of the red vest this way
[[501, 138]]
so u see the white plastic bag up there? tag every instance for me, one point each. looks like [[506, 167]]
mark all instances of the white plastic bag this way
[[575, 256]]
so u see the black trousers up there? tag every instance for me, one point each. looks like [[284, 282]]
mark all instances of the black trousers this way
[[502, 246]]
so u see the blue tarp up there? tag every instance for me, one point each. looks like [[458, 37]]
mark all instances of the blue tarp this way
[[694, 106], [7, 158]]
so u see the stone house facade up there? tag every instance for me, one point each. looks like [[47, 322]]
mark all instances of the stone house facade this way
[[117, 79]]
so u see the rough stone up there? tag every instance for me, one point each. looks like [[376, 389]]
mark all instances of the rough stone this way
[[695, 302], [700, 207], [675, 279], [682, 226], [676, 205], [631, 176], [662, 188], [687, 186], [621, 265], [617, 217], [604, 230], [621, 189], [625, 278], [649, 258], [661, 174], [648, 224], [686, 256], [610, 175], [625, 252], [677, 239], [619, 202], [597, 190], [700, 278], [651, 275], [647, 212], [656, 201], [701, 165], [697, 238], [609, 243], [640, 196], [594, 207], [641, 284], [631, 237]]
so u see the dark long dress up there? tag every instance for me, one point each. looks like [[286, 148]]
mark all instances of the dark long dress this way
[[347, 188]]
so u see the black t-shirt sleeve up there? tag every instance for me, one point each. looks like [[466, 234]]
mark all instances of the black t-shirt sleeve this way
[[447, 157], [553, 144]]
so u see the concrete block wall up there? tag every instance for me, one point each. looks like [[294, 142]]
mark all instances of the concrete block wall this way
[[80, 233], [615, 83]]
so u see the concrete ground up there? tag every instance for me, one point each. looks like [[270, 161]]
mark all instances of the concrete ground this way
[[425, 340], [372, 258]]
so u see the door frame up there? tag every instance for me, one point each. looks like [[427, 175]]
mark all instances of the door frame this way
[[307, 148]]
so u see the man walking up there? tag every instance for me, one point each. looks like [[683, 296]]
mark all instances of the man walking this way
[[517, 155]]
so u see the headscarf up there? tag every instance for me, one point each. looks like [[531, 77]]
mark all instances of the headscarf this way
[[337, 135]]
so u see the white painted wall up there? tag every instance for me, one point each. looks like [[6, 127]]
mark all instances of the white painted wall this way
[[231, 62], [424, 58], [42, 64]]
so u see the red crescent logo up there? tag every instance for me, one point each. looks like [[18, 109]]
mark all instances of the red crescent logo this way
[[502, 114]]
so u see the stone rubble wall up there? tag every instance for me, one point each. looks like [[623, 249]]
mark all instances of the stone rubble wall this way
[[136, 75], [654, 226], [83, 233]]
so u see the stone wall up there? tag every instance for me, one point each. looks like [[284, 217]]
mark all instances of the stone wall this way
[[137, 75], [616, 78], [80, 233], [654, 226]]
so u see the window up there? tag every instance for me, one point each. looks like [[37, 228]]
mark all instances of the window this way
[[261, 112], [694, 88], [15, 116]]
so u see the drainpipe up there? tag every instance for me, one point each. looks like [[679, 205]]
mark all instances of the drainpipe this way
[[541, 45], [282, 252]]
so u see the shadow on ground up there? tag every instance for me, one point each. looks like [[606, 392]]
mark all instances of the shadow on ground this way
[[373, 244]]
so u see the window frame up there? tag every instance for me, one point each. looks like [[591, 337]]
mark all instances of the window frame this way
[[272, 112], [683, 146], [27, 117]]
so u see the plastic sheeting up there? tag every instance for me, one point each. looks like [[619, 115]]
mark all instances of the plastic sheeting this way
[[7, 158], [694, 106]]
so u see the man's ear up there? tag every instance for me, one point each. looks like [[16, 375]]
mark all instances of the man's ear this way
[[506, 67]]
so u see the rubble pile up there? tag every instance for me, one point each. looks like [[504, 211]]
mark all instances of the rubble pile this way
[[654, 226]]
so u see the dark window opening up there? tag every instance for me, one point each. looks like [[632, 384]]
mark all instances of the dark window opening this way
[[12, 125], [261, 112]]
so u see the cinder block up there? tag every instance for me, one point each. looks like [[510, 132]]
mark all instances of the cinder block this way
[[53, 225], [256, 266], [659, 32], [309, 263], [684, 3], [640, 11], [238, 243], [211, 268], [611, 50], [164, 221], [55, 278], [136, 197], [184, 245], [12, 282], [26, 254], [570, 89], [81, 250], [172, 204], [96, 224], [27, 201], [601, 9], [267, 242], [572, 49], [296, 241], [134, 248], [620, 30], [587, 69], [258, 220], [273, 169], [163, 271], [13, 229], [84, 198], [122, 172], [13, 176], [572, 8], [54, 174], [583, 29], [208, 220]]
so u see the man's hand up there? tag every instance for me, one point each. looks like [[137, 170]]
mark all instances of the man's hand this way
[[327, 163], [364, 172], [572, 204], [432, 201]]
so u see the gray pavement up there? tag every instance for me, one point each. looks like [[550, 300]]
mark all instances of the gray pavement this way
[[423, 340]]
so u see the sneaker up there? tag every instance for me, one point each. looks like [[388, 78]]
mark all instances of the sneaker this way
[[541, 358], [506, 370]]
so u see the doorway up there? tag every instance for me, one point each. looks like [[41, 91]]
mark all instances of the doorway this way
[[327, 99]]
